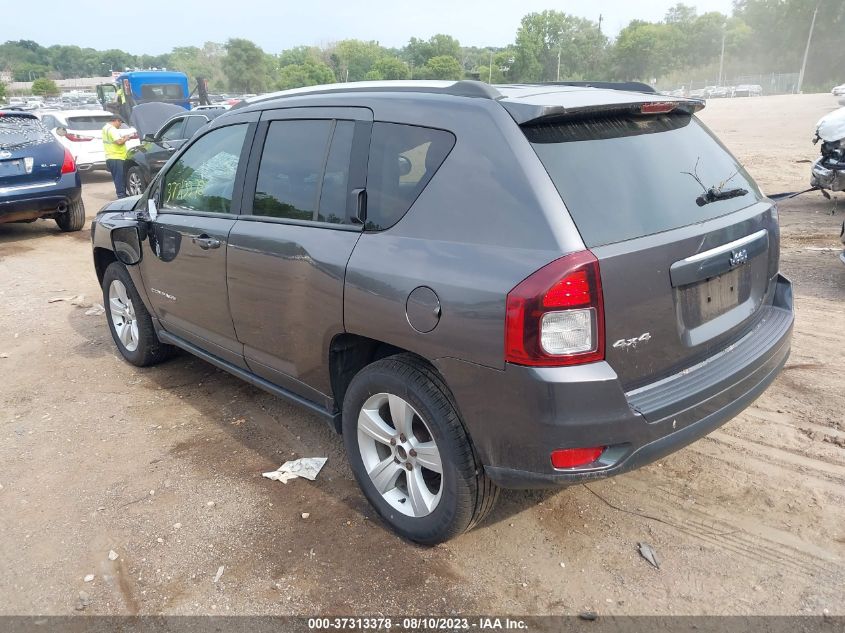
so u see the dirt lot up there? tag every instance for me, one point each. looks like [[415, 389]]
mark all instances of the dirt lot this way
[[164, 465]]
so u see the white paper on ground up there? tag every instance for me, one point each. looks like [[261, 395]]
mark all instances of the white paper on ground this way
[[307, 467]]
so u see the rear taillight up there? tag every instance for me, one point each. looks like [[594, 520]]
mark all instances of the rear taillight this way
[[574, 457], [68, 165], [556, 316], [78, 138]]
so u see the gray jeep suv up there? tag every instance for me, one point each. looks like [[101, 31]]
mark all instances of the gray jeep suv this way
[[479, 287]]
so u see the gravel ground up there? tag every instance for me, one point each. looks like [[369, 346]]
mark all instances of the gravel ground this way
[[163, 466]]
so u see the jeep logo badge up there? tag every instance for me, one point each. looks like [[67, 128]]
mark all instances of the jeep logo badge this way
[[738, 257]]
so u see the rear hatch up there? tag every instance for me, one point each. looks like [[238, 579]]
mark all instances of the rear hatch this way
[[687, 244], [28, 152]]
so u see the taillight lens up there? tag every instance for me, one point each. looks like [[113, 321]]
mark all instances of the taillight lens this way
[[78, 138], [68, 165], [555, 317], [574, 457]]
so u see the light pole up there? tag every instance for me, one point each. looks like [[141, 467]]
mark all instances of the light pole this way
[[722, 58], [490, 69], [807, 50], [559, 44]]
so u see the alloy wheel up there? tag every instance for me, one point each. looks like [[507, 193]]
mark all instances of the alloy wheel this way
[[400, 455], [123, 316], [134, 185]]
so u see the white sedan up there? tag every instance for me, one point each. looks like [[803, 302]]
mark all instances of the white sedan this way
[[838, 91], [81, 132]]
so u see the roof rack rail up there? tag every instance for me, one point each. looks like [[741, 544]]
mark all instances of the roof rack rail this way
[[629, 86], [461, 88]]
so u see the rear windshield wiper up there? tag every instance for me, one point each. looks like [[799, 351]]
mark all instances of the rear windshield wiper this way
[[716, 192]]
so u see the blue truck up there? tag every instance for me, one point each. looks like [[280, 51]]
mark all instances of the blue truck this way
[[148, 86]]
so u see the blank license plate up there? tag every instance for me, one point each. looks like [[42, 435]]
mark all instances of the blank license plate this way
[[12, 167], [720, 294]]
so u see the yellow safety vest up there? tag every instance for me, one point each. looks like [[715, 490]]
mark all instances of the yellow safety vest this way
[[112, 149]]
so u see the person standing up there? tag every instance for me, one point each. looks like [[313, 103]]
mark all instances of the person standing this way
[[114, 144]]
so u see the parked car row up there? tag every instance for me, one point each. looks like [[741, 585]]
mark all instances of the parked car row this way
[[720, 92], [442, 272]]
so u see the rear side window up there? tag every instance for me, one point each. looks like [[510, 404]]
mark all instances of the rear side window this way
[[403, 159], [16, 131], [192, 124], [623, 177], [304, 171]]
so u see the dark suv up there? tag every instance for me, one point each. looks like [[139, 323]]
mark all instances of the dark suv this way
[[520, 286]]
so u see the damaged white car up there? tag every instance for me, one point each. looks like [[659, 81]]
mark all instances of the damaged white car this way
[[829, 169]]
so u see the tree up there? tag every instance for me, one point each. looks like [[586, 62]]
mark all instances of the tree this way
[[353, 59], [45, 87], [417, 52], [309, 73], [2, 91], [204, 62], [645, 50], [443, 67], [389, 67], [245, 66], [545, 37]]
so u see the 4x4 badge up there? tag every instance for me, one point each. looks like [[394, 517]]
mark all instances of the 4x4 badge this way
[[628, 343]]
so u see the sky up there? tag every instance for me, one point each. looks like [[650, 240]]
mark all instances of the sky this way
[[156, 26]]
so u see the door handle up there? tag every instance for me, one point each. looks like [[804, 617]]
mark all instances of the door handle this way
[[205, 242]]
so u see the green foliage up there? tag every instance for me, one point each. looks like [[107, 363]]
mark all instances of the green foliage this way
[[309, 73], [246, 66], [45, 87], [546, 37], [351, 60], [2, 91], [204, 62], [389, 67], [443, 67], [418, 52]]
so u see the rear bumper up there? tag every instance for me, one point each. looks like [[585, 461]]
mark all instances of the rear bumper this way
[[30, 201], [518, 416], [832, 179]]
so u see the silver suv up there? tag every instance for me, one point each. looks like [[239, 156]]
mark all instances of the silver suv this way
[[480, 287]]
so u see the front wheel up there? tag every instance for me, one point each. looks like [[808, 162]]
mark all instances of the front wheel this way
[[410, 453], [130, 324], [135, 181]]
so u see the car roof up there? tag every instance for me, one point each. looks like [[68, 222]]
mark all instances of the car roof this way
[[18, 113], [525, 102]]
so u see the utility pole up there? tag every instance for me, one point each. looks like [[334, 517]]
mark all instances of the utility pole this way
[[600, 20], [490, 69], [558, 59], [807, 49], [722, 58]]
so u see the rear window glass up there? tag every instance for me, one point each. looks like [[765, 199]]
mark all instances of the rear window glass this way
[[623, 177], [93, 122], [403, 158], [17, 130]]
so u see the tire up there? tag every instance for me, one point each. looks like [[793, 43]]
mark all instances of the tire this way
[[129, 322], [135, 181], [454, 500], [73, 219]]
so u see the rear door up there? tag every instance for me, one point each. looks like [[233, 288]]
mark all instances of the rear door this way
[[184, 268], [687, 245], [288, 251], [29, 155]]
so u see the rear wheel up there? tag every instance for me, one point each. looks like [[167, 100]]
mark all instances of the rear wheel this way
[[73, 219], [130, 324], [410, 453], [135, 181]]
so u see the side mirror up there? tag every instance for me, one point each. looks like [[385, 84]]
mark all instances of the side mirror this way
[[126, 244], [404, 165], [61, 131], [149, 138]]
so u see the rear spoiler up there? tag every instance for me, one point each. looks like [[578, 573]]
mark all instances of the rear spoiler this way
[[627, 104]]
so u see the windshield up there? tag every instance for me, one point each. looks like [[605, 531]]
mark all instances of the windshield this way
[[623, 177], [93, 122], [18, 130]]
